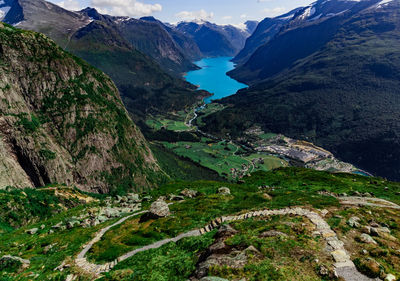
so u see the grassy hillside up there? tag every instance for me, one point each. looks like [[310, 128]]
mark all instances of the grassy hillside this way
[[291, 251]]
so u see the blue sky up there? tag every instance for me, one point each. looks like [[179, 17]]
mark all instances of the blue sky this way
[[219, 11]]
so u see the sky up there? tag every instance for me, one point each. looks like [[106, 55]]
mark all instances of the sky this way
[[172, 11]]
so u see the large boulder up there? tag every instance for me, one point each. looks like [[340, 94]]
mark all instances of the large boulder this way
[[159, 209], [367, 239], [189, 193], [32, 231], [354, 222], [224, 191]]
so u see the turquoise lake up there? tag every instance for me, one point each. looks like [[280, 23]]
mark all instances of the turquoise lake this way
[[212, 78]]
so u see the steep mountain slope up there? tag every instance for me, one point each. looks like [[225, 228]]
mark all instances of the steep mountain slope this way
[[339, 87], [45, 17], [151, 38], [309, 29], [144, 87], [63, 121], [262, 34], [251, 26], [214, 40], [187, 45]]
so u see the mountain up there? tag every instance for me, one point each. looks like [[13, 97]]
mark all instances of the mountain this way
[[339, 88], [262, 33], [186, 44], [319, 22], [145, 87], [251, 26], [61, 24], [151, 38], [62, 121], [45, 17], [214, 40]]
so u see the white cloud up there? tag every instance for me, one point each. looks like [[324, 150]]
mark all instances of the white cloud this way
[[195, 15], [132, 8], [243, 16], [227, 18], [72, 5], [273, 12]]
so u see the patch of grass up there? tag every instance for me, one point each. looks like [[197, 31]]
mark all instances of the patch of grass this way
[[172, 262]]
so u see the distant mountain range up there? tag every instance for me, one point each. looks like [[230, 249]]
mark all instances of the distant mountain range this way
[[328, 73], [100, 39], [216, 40]]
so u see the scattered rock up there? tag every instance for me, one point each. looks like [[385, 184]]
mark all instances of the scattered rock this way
[[147, 198], [42, 226], [189, 193], [226, 231], [57, 226], [323, 271], [365, 238], [173, 197], [273, 233], [267, 196], [354, 222], [390, 277], [212, 278], [324, 212], [72, 223], [224, 191], [12, 261], [70, 277], [252, 250], [133, 197], [366, 229], [159, 209], [32, 231]]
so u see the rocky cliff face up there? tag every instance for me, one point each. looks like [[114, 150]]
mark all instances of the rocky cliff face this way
[[63, 121]]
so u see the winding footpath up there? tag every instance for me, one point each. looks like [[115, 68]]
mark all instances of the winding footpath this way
[[344, 267]]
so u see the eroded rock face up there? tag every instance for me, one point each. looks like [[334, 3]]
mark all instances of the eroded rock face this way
[[63, 121]]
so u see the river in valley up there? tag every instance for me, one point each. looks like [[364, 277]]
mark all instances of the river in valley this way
[[212, 77]]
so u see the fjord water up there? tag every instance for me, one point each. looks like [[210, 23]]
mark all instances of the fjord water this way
[[212, 77]]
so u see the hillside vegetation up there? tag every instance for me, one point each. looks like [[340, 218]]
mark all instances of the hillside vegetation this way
[[62, 121]]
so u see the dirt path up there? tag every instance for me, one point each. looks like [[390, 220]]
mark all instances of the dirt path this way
[[368, 201], [344, 267]]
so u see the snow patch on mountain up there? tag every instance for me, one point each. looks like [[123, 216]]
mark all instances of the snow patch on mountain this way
[[4, 10]]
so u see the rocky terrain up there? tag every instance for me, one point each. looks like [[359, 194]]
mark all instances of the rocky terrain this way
[[274, 226]]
